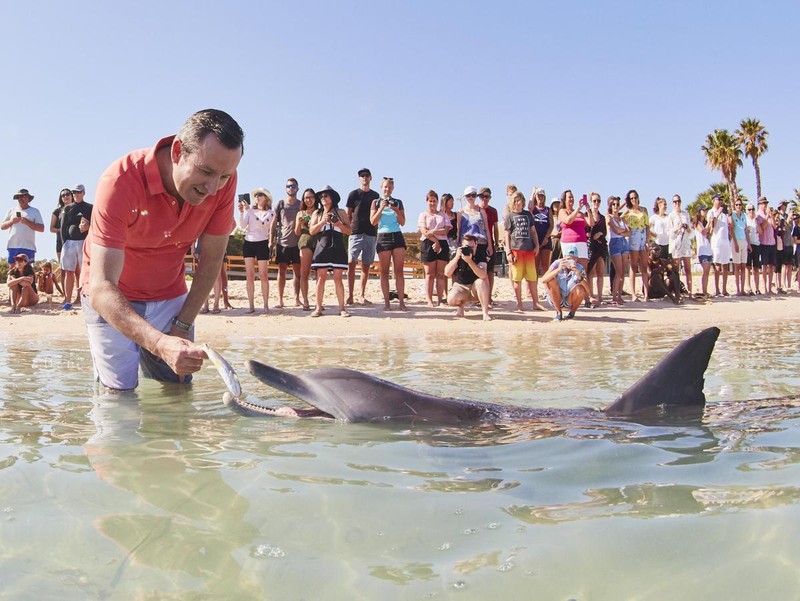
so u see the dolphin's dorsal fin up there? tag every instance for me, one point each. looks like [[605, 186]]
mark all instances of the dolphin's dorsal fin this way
[[676, 380]]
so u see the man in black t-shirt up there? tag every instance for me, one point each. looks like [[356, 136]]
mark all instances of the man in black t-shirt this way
[[470, 279], [362, 241], [75, 220]]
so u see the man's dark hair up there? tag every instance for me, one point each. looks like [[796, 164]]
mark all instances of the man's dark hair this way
[[469, 237], [211, 121]]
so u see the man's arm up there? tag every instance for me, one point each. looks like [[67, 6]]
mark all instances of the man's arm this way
[[450, 268], [34, 225], [182, 356]]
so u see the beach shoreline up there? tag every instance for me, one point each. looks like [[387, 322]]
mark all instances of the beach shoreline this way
[[46, 319]]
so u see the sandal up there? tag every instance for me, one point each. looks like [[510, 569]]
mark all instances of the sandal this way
[[316, 313], [344, 313]]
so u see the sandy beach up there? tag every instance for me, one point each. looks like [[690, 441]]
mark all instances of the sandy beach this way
[[48, 319]]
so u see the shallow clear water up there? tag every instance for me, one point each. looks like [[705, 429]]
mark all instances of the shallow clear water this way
[[169, 495]]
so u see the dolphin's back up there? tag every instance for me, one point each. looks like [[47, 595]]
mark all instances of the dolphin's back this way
[[355, 396]]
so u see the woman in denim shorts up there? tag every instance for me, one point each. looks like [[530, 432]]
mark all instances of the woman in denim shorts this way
[[618, 233], [638, 221], [704, 252]]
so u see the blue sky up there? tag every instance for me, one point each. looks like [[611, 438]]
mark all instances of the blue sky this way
[[601, 96]]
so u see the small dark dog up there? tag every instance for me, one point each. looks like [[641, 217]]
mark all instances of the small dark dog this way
[[664, 279]]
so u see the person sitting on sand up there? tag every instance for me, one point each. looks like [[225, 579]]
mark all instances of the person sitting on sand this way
[[47, 281], [663, 279], [21, 284], [566, 285], [469, 278]]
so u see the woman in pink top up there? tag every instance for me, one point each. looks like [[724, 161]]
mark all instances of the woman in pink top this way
[[434, 249], [574, 223]]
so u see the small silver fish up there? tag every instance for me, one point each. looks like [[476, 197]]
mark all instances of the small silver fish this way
[[226, 371]]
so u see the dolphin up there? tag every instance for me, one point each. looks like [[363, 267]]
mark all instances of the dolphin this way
[[676, 381]]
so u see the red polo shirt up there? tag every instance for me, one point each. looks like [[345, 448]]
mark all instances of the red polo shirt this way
[[133, 212]]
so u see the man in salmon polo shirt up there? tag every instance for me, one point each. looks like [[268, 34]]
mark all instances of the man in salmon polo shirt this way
[[150, 207]]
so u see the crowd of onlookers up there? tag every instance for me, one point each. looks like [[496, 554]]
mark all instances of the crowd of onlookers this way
[[569, 246], [69, 221]]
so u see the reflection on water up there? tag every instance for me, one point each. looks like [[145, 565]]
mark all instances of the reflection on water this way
[[165, 494]]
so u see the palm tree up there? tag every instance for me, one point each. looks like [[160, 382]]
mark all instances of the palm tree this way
[[752, 135], [704, 198], [723, 153]]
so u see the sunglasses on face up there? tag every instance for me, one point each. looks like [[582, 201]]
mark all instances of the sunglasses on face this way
[[291, 186], [470, 195], [485, 196], [66, 195], [324, 195]]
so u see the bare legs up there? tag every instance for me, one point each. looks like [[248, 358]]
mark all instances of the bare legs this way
[[263, 276], [306, 255], [351, 281], [282, 268], [598, 272], [620, 263], [338, 285], [397, 257], [638, 260]]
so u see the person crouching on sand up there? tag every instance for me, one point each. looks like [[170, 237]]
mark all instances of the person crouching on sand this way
[[566, 285], [469, 278]]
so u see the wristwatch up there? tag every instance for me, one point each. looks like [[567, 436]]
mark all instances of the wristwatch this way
[[181, 325]]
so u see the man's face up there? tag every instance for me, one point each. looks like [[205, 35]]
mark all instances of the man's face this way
[[485, 198], [473, 244], [365, 180], [291, 188], [203, 172], [77, 196], [387, 187], [24, 200]]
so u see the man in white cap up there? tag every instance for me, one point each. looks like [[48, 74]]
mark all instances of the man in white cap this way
[[23, 221], [75, 220]]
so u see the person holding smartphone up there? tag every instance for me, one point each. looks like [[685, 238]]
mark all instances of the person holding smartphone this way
[[566, 285], [23, 221]]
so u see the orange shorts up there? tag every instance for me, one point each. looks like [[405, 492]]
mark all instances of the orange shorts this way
[[524, 266]]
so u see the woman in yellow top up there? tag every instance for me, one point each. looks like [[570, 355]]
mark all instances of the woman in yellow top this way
[[638, 221]]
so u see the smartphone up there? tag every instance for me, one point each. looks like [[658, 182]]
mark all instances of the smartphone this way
[[19, 213], [245, 197]]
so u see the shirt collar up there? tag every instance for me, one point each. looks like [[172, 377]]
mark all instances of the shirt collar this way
[[152, 173]]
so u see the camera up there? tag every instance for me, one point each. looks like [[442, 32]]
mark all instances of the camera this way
[[394, 203], [333, 217], [466, 251], [245, 197]]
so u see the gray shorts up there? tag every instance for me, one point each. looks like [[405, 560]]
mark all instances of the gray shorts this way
[[362, 246], [71, 255], [116, 358]]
